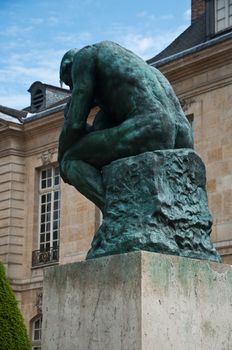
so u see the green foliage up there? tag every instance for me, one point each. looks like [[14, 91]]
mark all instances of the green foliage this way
[[13, 334]]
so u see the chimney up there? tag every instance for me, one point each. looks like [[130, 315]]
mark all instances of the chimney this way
[[198, 7]]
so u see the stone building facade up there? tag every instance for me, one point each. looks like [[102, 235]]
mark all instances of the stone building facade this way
[[44, 221], [199, 64]]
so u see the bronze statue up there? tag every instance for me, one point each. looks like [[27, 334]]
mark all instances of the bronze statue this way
[[139, 112], [136, 162]]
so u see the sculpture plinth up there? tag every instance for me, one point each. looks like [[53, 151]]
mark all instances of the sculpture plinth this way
[[156, 201], [137, 301]]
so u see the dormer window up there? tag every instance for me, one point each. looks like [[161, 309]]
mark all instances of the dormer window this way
[[223, 15], [37, 99]]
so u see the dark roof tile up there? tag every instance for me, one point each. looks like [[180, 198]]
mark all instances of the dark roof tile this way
[[13, 112]]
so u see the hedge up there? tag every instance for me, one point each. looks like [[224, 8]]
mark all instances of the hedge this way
[[13, 334]]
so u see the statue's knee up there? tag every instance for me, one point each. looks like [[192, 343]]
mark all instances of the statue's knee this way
[[65, 170]]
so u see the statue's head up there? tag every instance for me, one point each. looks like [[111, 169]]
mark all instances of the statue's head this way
[[66, 67]]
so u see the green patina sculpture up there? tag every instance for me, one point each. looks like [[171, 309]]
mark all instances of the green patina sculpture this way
[[139, 114]]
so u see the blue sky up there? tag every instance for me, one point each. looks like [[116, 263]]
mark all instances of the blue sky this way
[[35, 34]]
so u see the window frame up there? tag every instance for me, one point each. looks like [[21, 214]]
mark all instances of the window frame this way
[[36, 343], [44, 191], [211, 20]]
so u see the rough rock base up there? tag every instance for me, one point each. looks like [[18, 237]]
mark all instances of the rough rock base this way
[[157, 202], [138, 301]]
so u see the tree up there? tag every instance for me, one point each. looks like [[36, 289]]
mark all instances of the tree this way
[[13, 334]]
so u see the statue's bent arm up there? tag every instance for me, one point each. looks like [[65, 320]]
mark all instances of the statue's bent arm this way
[[81, 100]]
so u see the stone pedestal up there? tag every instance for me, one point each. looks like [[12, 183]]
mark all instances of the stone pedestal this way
[[156, 201], [138, 301]]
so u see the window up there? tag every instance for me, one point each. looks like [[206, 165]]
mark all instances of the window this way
[[190, 118], [49, 217], [38, 98], [223, 14], [36, 333], [49, 208]]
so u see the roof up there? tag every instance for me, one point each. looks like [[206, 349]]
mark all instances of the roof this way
[[50, 87], [11, 114], [23, 116], [194, 35]]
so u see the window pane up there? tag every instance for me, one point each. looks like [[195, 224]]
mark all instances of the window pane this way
[[230, 21], [220, 4], [57, 176], [56, 195], [49, 172], [36, 335], [42, 247], [44, 174], [221, 25], [37, 324], [57, 180], [43, 184], [42, 218], [221, 14]]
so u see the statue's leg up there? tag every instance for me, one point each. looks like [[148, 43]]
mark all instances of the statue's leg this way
[[85, 178], [82, 163], [136, 135]]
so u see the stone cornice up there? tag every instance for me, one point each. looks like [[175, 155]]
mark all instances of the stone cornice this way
[[49, 147], [198, 62], [11, 130], [204, 87], [40, 126]]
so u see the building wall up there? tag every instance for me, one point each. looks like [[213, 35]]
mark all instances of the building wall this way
[[203, 82], [25, 150]]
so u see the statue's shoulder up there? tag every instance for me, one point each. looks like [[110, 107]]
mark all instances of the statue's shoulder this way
[[85, 55]]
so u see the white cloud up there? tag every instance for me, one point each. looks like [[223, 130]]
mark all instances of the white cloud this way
[[17, 101], [167, 17], [142, 14], [187, 14], [74, 40], [16, 31], [36, 21], [148, 45]]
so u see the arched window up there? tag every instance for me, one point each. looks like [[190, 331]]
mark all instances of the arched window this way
[[36, 331]]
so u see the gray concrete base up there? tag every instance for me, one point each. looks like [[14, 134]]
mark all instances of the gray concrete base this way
[[138, 301]]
